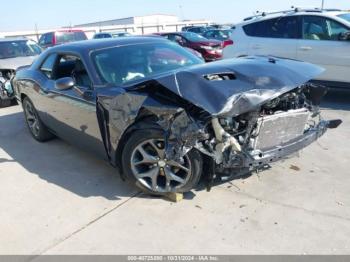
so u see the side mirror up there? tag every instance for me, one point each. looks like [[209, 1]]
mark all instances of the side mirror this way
[[64, 83], [344, 36]]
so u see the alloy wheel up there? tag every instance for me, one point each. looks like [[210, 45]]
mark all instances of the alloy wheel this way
[[154, 171]]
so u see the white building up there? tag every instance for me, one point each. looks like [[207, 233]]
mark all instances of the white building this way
[[137, 25], [136, 20]]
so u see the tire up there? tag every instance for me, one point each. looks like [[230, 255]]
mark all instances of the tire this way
[[5, 103], [36, 127], [168, 176]]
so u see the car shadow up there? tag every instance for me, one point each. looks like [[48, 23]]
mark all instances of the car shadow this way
[[60, 163], [337, 100]]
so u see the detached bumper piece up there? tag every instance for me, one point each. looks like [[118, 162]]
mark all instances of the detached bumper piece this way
[[260, 159]]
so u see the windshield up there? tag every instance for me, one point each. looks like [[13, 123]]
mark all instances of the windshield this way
[[120, 65], [65, 37], [345, 17], [12, 49], [193, 37]]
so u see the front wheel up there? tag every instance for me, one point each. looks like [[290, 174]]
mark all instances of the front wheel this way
[[144, 164]]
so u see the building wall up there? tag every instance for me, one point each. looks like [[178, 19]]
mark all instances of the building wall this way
[[134, 25], [123, 21], [155, 19]]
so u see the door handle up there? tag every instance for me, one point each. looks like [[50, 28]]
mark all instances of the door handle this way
[[305, 48]]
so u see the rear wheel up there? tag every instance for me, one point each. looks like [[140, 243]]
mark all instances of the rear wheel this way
[[145, 164], [37, 129]]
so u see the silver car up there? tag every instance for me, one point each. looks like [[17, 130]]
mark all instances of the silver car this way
[[320, 37], [14, 53]]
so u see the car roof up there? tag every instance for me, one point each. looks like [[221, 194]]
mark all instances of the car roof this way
[[4, 40], [326, 13], [176, 33], [95, 44], [65, 31], [217, 29], [103, 33]]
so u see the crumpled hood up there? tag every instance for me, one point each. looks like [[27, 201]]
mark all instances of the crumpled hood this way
[[14, 63], [252, 81]]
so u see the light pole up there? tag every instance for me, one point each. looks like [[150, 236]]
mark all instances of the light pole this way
[[322, 5]]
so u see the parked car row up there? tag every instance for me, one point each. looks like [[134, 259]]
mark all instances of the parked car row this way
[[15, 53]]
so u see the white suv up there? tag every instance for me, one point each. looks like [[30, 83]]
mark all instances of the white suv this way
[[321, 37]]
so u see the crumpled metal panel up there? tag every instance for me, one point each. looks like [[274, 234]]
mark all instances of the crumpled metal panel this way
[[252, 82], [256, 81]]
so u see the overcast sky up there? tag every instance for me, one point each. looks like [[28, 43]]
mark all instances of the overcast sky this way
[[24, 14]]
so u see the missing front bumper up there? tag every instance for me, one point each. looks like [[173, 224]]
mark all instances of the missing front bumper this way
[[259, 159]]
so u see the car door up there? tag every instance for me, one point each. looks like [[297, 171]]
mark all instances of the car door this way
[[320, 45], [71, 112], [276, 37]]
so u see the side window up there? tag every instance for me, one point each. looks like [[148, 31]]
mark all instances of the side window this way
[[335, 29], [171, 38], [50, 38], [210, 34], [320, 28], [195, 30], [72, 66], [48, 66], [42, 39], [283, 27], [46, 39], [315, 28]]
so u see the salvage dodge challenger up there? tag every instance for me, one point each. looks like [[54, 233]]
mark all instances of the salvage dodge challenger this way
[[165, 118]]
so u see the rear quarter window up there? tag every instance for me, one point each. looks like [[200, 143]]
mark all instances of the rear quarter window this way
[[283, 27]]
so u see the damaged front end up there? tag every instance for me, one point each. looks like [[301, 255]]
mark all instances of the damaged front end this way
[[6, 90], [272, 114], [241, 114]]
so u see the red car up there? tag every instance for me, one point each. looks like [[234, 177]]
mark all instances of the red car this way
[[61, 37], [211, 50]]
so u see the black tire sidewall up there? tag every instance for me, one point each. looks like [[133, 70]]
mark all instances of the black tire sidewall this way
[[5, 103], [142, 135], [44, 134]]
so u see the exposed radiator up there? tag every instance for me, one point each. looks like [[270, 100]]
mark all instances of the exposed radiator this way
[[280, 128]]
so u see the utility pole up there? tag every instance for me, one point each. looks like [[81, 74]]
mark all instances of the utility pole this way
[[36, 32], [322, 7]]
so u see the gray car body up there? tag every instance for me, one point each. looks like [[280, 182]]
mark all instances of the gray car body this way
[[102, 117]]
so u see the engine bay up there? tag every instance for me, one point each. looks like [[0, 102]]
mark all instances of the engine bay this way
[[237, 140], [6, 90]]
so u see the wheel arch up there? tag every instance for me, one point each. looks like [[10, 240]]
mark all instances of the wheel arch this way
[[148, 121]]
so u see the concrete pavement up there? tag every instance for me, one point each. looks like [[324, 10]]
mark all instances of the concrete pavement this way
[[56, 199]]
